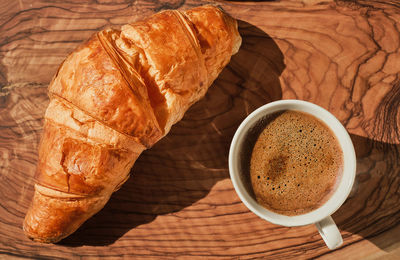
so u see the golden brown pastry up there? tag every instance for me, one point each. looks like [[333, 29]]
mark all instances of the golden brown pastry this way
[[114, 97]]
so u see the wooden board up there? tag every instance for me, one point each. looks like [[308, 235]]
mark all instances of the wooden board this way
[[180, 201]]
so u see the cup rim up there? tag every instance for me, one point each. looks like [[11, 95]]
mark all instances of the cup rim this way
[[349, 163]]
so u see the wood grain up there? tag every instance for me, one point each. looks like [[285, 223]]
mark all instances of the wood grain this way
[[180, 201]]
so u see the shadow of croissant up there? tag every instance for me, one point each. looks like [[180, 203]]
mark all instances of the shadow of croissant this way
[[183, 167]]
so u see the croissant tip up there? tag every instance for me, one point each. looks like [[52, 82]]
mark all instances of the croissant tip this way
[[35, 238]]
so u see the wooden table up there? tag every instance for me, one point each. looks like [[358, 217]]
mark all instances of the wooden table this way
[[180, 202]]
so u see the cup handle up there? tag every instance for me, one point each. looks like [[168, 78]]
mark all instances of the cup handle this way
[[329, 233]]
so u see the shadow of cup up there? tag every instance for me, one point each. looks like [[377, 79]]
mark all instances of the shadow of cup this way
[[373, 206]]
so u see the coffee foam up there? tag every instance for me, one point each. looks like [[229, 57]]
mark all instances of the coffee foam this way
[[295, 164]]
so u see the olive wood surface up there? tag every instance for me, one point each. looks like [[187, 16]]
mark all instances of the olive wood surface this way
[[180, 202]]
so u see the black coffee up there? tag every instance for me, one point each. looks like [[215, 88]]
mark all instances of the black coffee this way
[[295, 163]]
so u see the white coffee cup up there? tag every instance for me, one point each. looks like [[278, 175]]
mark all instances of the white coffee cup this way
[[321, 216]]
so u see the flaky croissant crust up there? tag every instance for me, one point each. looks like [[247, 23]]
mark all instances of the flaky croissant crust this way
[[112, 98]]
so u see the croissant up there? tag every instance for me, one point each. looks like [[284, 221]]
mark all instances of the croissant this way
[[114, 97]]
